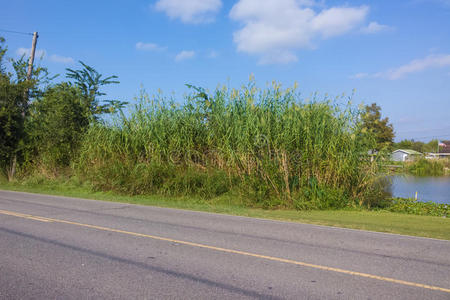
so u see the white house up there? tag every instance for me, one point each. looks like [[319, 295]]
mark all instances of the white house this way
[[437, 155], [405, 155]]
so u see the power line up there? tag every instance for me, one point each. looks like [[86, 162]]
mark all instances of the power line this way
[[431, 136], [17, 32]]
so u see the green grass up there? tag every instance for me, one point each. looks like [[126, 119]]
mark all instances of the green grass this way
[[271, 146], [423, 167], [382, 221]]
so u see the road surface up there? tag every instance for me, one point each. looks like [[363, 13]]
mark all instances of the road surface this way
[[65, 248]]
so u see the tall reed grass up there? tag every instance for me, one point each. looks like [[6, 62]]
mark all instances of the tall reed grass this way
[[268, 147], [426, 167]]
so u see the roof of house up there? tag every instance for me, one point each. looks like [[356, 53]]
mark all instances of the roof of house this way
[[408, 151]]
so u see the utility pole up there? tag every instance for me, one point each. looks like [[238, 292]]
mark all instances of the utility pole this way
[[33, 51], [30, 68]]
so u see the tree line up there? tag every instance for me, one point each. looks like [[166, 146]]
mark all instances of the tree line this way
[[42, 122]]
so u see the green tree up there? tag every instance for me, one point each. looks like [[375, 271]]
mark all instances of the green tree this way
[[417, 145], [89, 81], [43, 124], [12, 107], [404, 144], [60, 117], [12, 103], [3, 50], [382, 130], [16, 92], [56, 125], [432, 146]]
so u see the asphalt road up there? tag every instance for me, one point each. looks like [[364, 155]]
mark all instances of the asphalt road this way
[[64, 248]]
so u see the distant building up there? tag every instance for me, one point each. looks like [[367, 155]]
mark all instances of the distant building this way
[[444, 147], [444, 151], [405, 155], [437, 155]]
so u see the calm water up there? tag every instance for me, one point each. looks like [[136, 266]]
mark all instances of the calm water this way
[[436, 189]]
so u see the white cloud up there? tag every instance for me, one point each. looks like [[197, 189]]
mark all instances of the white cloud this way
[[190, 11], [41, 53], [275, 29], [149, 47], [360, 75], [374, 27], [415, 66], [183, 55], [418, 65], [61, 59], [338, 20], [26, 51]]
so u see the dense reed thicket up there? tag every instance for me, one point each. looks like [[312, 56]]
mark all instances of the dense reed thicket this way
[[268, 147]]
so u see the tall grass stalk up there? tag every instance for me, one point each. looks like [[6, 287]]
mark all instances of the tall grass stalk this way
[[268, 147]]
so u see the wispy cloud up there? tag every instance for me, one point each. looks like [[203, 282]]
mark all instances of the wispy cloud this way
[[418, 65], [415, 66], [26, 51], [183, 55], [190, 11], [374, 27], [360, 75], [274, 30], [149, 47], [41, 53], [61, 59]]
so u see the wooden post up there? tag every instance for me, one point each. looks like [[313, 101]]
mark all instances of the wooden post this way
[[33, 51]]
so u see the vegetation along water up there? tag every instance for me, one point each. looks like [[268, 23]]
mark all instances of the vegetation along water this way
[[268, 148]]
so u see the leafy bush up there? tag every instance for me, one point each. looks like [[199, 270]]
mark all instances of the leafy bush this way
[[12, 103], [56, 125]]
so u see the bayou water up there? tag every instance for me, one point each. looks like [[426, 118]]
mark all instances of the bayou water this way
[[435, 189]]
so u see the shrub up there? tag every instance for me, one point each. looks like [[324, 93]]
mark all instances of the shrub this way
[[55, 127]]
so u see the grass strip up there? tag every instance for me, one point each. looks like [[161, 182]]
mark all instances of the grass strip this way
[[380, 221]]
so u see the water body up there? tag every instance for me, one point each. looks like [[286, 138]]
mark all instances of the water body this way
[[436, 189]]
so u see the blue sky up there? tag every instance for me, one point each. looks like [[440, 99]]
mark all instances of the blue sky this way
[[394, 53]]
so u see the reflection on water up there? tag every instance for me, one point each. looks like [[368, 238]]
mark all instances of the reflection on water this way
[[436, 189]]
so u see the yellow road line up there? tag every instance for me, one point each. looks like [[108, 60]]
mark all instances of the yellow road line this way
[[271, 258], [39, 219], [15, 214]]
